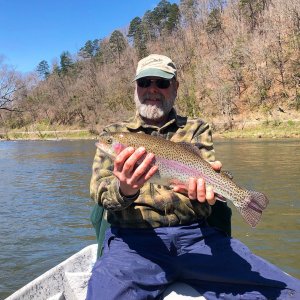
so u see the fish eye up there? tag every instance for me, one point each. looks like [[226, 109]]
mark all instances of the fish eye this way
[[109, 140]]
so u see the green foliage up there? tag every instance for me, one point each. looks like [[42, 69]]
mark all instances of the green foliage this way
[[276, 123], [251, 11], [263, 93], [173, 19], [43, 69], [237, 58], [139, 37], [134, 28], [165, 16], [66, 62], [90, 49], [297, 101], [214, 23], [117, 43], [291, 123], [148, 25]]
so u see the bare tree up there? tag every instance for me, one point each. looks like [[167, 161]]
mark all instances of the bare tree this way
[[10, 84]]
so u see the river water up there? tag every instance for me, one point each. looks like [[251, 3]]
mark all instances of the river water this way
[[45, 204]]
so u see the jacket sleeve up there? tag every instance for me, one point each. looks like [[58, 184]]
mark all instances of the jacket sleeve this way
[[104, 187], [202, 138]]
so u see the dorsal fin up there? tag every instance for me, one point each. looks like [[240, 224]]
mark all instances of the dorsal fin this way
[[190, 147], [227, 174]]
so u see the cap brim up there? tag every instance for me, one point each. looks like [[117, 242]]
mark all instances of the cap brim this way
[[155, 73]]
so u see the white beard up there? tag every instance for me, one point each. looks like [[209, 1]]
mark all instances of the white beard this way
[[154, 112]]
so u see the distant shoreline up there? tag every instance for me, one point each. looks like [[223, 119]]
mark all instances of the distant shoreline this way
[[279, 131], [241, 127]]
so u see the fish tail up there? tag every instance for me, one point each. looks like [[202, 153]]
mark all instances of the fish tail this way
[[253, 205]]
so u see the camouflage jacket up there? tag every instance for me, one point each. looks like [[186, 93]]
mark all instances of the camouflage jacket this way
[[156, 205]]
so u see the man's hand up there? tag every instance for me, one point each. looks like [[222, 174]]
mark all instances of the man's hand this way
[[197, 188], [132, 176]]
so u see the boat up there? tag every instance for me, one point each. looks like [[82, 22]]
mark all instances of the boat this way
[[69, 279]]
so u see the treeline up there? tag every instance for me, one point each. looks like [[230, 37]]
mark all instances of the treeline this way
[[233, 57]]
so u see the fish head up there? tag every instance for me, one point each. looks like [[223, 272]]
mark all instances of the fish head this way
[[111, 144]]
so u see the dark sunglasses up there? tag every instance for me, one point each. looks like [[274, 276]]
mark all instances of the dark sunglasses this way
[[160, 83]]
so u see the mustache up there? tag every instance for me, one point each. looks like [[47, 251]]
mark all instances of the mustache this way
[[150, 96]]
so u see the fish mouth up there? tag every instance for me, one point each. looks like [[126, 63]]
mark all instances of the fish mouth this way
[[99, 145]]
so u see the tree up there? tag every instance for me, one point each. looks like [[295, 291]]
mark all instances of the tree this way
[[134, 28], [214, 23], [138, 36], [148, 25], [252, 9], [66, 62], [161, 15], [188, 10], [117, 43], [90, 49], [43, 69], [10, 84], [173, 19]]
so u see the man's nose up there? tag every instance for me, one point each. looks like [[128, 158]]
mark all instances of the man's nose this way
[[153, 87]]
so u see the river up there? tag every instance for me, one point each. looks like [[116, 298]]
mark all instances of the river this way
[[45, 204]]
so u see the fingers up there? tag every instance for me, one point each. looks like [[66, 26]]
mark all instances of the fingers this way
[[201, 191], [127, 159], [210, 195], [216, 165], [133, 168], [144, 171], [192, 188], [198, 190]]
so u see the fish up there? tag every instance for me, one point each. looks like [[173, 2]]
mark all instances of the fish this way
[[177, 162]]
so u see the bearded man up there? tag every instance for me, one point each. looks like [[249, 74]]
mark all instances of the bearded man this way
[[159, 235]]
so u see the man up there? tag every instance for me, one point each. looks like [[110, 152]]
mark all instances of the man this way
[[160, 235]]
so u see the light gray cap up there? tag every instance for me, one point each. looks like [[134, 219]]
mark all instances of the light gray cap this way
[[156, 65]]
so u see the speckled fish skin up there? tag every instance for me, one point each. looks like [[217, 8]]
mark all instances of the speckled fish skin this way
[[178, 162]]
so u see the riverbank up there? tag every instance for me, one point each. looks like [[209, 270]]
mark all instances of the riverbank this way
[[273, 130], [250, 129], [62, 134]]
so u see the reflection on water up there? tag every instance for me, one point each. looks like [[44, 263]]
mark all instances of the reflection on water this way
[[45, 204]]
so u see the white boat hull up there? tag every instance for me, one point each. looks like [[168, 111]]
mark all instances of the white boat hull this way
[[69, 280]]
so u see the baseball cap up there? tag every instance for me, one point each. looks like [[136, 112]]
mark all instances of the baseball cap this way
[[156, 65]]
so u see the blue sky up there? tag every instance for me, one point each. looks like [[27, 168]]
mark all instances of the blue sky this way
[[36, 30]]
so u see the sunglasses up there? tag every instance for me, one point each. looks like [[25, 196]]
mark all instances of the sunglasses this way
[[160, 83]]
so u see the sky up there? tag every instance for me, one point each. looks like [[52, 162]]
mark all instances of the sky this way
[[36, 30]]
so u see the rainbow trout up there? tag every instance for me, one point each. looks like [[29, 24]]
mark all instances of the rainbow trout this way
[[177, 162]]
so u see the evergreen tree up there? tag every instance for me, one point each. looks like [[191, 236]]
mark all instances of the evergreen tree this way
[[149, 25], [117, 43], [173, 18], [214, 23], [90, 49], [251, 10], [43, 69], [66, 62], [134, 27], [165, 17], [160, 14], [138, 36]]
